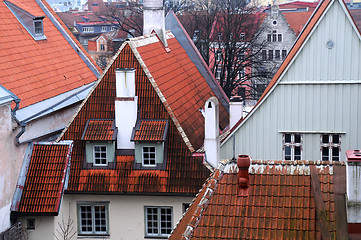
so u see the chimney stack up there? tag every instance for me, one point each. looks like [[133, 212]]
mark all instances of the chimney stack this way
[[154, 20], [243, 163], [211, 131], [126, 107], [235, 111], [353, 185]]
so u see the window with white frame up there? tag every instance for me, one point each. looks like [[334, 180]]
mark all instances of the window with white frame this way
[[102, 47], [88, 29], [104, 28], [330, 147], [100, 155], [158, 221], [219, 55], [112, 28], [242, 36], [93, 218], [284, 54], [264, 54], [292, 146], [38, 27], [149, 156], [277, 54]]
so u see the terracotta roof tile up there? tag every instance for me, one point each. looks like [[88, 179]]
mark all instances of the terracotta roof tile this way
[[45, 178], [151, 130], [99, 130], [279, 203], [38, 70]]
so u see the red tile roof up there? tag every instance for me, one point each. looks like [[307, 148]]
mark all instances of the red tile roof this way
[[151, 130], [99, 130], [38, 70], [278, 204], [169, 87], [45, 178], [297, 20]]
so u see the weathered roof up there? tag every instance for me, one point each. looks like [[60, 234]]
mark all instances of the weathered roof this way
[[297, 20], [169, 87], [151, 130], [38, 70], [43, 179], [278, 204], [99, 130]]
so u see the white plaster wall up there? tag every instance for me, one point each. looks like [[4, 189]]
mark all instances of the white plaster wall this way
[[49, 123], [126, 213], [10, 163], [44, 227]]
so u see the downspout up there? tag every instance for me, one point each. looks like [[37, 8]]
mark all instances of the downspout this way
[[22, 124]]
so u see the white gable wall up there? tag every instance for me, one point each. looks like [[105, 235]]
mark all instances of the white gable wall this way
[[317, 94]]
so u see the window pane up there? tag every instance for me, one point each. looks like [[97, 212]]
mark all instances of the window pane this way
[[287, 138], [287, 153], [297, 153], [86, 219], [335, 154], [100, 218], [297, 138], [325, 154], [336, 139], [325, 139]]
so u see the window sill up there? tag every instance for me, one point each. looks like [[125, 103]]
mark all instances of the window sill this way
[[156, 237], [95, 236]]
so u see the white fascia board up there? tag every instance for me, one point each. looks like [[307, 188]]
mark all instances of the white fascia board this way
[[6, 96], [53, 104]]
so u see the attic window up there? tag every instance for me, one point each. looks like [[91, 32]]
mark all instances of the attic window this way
[[38, 27]]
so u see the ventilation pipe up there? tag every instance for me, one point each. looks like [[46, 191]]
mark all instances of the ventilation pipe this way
[[243, 163], [211, 131], [126, 107]]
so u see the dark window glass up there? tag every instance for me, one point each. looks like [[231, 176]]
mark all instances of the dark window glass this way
[[287, 138]]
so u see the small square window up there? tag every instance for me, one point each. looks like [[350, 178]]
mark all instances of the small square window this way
[[330, 147], [100, 155], [31, 223], [149, 156], [158, 221], [93, 218]]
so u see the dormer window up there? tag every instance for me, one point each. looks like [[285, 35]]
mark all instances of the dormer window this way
[[148, 155], [100, 155], [32, 23], [150, 138], [38, 27], [99, 136]]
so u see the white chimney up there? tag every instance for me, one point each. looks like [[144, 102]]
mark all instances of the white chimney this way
[[235, 112], [211, 131], [153, 19], [126, 106], [353, 184]]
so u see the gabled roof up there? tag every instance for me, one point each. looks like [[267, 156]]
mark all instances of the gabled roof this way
[[297, 20], [39, 70], [99, 130], [296, 48], [279, 203], [169, 87], [43, 179]]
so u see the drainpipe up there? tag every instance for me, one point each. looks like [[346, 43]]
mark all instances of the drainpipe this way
[[21, 124]]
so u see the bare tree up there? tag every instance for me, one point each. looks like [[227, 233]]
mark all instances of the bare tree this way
[[226, 32], [65, 230]]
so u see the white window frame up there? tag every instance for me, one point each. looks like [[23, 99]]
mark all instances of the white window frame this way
[[41, 27], [330, 145], [112, 28], [92, 206], [242, 36], [155, 157], [88, 29], [102, 45], [158, 221], [218, 72], [219, 55], [101, 158], [104, 28], [292, 145]]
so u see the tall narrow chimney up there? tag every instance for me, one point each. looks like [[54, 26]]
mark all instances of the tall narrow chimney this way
[[153, 19], [126, 107], [243, 163], [211, 131], [235, 111]]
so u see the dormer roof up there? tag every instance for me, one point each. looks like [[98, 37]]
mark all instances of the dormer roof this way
[[99, 130]]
